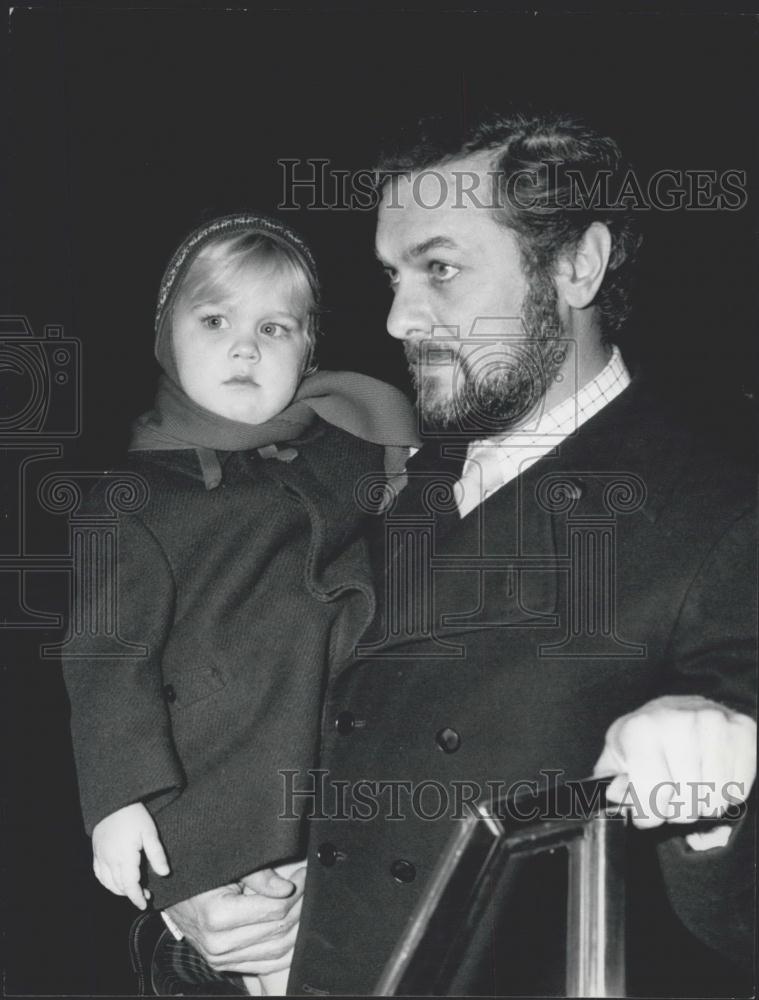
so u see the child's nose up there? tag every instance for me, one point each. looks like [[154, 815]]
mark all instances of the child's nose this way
[[246, 349]]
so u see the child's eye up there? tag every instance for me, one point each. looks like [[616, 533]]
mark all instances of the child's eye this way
[[392, 276], [214, 321], [441, 271], [274, 329]]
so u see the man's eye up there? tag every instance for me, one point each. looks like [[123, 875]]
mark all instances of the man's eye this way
[[392, 276], [214, 322], [443, 272]]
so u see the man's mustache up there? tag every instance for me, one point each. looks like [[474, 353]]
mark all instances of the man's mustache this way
[[450, 352], [440, 350], [423, 357]]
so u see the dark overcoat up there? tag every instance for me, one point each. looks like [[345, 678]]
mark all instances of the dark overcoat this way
[[231, 603], [618, 568]]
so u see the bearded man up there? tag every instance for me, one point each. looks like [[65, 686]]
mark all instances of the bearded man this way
[[567, 572]]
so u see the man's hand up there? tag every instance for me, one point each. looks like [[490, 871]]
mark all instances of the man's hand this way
[[679, 759], [248, 928]]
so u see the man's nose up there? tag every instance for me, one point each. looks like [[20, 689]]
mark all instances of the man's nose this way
[[407, 316]]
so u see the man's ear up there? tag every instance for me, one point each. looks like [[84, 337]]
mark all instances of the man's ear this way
[[580, 273]]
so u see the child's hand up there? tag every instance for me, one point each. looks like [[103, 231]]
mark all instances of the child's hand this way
[[117, 842]]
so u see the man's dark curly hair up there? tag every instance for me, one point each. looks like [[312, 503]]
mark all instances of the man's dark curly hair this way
[[545, 166]]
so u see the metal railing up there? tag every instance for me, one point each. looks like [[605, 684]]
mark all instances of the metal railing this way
[[473, 873]]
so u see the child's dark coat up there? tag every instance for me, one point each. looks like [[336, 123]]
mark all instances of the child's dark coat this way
[[243, 595]]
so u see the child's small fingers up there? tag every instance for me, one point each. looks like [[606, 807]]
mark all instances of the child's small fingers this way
[[99, 874], [135, 896], [118, 883], [156, 855], [102, 872], [105, 878], [132, 889]]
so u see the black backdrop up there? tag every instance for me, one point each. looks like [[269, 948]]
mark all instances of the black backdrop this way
[[126, 126]]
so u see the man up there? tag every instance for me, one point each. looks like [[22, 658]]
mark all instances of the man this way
[[583, 566]]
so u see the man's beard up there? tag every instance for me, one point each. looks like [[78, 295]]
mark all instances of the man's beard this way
[[491, 398]]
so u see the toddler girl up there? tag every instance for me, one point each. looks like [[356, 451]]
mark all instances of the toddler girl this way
[[242, 578]]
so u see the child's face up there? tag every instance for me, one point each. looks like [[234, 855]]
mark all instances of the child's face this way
[[240, 354]]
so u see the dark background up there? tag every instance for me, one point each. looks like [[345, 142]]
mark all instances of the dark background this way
[[125, 128]]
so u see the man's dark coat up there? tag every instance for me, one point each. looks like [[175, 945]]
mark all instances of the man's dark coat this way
[[617, 569]]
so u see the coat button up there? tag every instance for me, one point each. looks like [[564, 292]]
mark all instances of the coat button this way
[[448, 739], [403, 871], [345, 723], [169, 693], [327, 854]]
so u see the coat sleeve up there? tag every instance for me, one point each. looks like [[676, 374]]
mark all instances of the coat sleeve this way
[[713, 650], [120, 723], [714, 653]]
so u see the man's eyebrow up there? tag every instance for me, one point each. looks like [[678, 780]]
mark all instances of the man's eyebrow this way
[[419, 249], [433, 243]]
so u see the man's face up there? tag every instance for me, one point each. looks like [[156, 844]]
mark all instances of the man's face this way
[[480, 338]]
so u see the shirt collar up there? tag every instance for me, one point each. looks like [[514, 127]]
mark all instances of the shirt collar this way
[[564, 418]]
